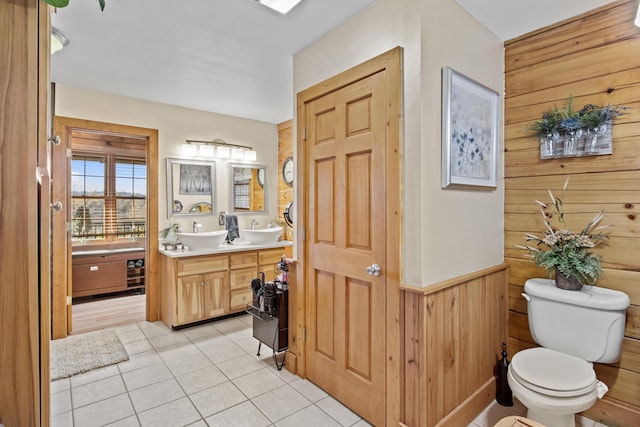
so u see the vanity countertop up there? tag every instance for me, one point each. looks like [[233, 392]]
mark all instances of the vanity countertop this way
[[225, 248], [93, 252]]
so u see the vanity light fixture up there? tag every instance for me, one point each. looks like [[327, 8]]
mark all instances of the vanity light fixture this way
[[58, 40], [237, 153], [223, 152], [223, 149], [282, 6], [189, 149], [206, 150]]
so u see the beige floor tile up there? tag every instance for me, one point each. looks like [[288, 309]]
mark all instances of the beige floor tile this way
[[217, 398], [103, 412], [311, 416], [145, 376], [308, 389], [177, 351], [127, 336], [60, 402], [139, 361], [188, 363], [97, 390], [281, 403], [127, 422], [227, 326], [136, 347], [220, 353], [338, 411], [64, 419], [240, 366], [95, 375], [258, 382], [242, 415], [164, 340], [156, 394], [201, 379], [177, 413]]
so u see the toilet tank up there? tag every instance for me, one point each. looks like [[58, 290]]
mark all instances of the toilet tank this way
[[588, 324]]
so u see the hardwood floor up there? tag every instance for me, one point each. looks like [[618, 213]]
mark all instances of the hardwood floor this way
[[90, 314]]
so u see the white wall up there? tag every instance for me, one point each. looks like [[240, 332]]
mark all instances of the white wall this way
[[175, 124], [446, 233]]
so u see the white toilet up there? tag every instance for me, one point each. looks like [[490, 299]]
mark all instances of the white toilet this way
[[574, 328]]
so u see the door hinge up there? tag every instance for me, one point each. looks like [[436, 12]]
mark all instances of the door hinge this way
[[304, 133], [69, 300], [69, 152], [68, 227], [304, 334]]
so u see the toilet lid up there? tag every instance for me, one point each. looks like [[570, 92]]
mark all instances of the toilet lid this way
[[553, 373]]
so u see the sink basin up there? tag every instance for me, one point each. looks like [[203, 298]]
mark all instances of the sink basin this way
[[262, 236], [203, 240]]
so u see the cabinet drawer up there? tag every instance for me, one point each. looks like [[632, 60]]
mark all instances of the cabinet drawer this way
[[241, 279], [202, 265], [89, 277], [270, 256], [239, 299], [244, 259]]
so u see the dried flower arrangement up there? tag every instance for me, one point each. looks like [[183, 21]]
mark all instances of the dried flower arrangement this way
[[568, 253]]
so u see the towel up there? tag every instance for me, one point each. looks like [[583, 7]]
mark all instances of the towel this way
[[233, 231]]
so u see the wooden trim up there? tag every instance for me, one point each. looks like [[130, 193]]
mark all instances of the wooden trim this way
[[451, 340], [63, 126], [22, 384], [429, 289], [44, 148], [391, 63]]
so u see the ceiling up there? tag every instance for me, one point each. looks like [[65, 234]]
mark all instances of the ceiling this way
[[232, 57]]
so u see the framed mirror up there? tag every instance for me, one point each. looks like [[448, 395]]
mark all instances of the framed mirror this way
[[248, 188], [191, 187]]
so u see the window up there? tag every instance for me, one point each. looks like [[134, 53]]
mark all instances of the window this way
[[108, 196]]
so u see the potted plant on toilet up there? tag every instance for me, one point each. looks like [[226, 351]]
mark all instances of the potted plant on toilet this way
[[566, 253]]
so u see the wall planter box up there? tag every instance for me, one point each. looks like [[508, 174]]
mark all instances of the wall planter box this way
[[579, 144]]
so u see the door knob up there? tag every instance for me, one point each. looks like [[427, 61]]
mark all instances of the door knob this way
[[373, 270], [57, 206]]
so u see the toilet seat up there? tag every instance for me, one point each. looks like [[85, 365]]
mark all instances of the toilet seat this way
[[552, 373]]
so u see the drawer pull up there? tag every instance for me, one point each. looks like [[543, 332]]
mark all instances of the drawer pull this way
[[94, 268]]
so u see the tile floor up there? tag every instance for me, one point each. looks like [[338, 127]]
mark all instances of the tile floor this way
[[207, 375]]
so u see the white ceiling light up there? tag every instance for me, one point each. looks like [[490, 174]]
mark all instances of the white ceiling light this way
[[637, 21], [206, 150], [223, 152], [282, 6], [237, 153], [250, 155], [58, 40], [189, 149]]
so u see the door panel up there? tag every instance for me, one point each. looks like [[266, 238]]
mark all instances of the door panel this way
[[347, 222], [214, 293], [189, 302]]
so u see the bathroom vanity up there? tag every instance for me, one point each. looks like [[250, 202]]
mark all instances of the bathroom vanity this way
[[196, 286]]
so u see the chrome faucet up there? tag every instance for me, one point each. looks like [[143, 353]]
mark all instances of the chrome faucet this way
[[254, 222], [196, 226]]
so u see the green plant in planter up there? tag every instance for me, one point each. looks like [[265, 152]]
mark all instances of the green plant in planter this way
[[549, 123], [65, 3], [174, 228], [566, 251], [593, 116]]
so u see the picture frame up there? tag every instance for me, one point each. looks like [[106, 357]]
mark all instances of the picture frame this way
[[469, 132], [195, 179]]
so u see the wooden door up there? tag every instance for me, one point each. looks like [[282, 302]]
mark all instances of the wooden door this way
[[214, 290], [347, 220], [188, 301]]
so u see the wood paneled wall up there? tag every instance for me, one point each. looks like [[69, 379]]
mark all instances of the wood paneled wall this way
[[453, 333], [285, 193], [596, 58]]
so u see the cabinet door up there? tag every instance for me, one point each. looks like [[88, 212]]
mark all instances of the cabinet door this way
[[268, 259], [214, 290], [189, 306], [239, 299]]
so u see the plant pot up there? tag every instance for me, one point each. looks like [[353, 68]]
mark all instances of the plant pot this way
[[567, 283]]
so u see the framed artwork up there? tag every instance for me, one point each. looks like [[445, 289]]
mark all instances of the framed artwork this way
[[195, 179], [469, 132]]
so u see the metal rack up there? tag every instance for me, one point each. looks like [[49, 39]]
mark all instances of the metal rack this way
[[270, 323]]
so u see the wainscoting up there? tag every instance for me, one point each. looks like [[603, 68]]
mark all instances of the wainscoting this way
[[452, 336]]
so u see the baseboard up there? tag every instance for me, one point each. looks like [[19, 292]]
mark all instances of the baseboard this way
[[471, 407]]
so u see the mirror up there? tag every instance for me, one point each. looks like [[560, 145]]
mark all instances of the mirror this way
[[191, 187], [248, 191]]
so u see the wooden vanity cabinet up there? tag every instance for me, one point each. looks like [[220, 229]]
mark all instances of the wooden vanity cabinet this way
[[106, 273], [208, 286]]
